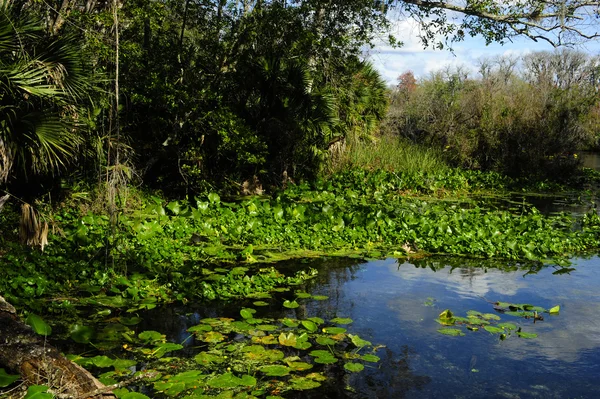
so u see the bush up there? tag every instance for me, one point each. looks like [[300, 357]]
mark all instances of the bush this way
[[515, 124]]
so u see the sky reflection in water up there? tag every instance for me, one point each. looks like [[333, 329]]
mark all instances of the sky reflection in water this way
[[387, 302]]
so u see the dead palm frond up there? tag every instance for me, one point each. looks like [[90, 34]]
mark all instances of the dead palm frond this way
[[32, 230]]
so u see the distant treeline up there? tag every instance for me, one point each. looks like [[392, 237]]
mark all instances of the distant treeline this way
[[520, 115]]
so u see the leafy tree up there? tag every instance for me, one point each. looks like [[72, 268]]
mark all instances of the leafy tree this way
[[42, 84]]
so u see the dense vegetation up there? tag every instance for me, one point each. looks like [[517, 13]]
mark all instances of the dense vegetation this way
[[128, 130], [521, 116]]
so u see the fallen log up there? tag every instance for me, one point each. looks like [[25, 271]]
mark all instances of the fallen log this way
[[38, 363]]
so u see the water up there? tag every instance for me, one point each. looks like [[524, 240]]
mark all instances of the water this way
[[395, 304]]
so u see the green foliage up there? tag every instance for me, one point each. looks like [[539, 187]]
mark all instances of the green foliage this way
[[44, 83], [391, 154], [521, 125]]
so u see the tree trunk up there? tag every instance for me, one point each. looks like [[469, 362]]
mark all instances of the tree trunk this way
[[38, 363]]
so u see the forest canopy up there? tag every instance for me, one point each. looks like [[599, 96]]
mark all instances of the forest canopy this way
[[187, 93]]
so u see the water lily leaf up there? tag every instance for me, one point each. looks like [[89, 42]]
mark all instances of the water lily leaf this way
[[290, 304], [309, 325], [81, 334], [507, 326], [446, 322], [451, 331], [247, 380], [267, 327], [370, 358], [38, 325], [446, 314], [358, 341], [275, 370], [302, 384], [320, 297], [200, 328], [316, 320], [247, 313], [151, 336], [165, 348], [520, 314], [472, 328], [490, 316], [493, 330], [334, 330], [300, 366], [316, 376], [260, 303], [354, 367], [555, 310], [289, 323], [266, 340], [7, 379], [303, 295], [289, 339], [526, 335], [227, 380], [323, 340], [341, 320], [303, 345], [206, 358], [473, 313]]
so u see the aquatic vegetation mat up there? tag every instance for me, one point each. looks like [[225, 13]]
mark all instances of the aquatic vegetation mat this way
[[492, 322]]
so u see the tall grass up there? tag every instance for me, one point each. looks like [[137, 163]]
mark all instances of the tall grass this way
[[392, 154]]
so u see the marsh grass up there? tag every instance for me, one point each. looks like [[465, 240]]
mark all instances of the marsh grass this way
[[392, 154]]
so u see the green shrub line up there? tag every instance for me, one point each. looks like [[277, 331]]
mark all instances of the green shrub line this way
[[356, 213]]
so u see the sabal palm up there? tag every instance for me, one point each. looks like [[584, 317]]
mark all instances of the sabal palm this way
[[41, 83]]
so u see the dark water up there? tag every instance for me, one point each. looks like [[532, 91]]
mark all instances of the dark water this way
[[388, 303]]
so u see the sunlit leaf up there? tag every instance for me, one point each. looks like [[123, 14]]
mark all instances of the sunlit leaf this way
[[38, 325]]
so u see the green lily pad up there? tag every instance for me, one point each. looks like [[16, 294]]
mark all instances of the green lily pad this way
[[370, 358], [341, 320], [303, 295], [493, 329], [451, 331], [334, 330], [354, 367], [322, 340], [526, 335], [320, 297], [223, 381], [555, 310], [302, 384], [275, 370], [260, 303], [290, 304], [309, 325]]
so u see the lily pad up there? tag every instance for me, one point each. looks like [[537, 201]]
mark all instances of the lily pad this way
[[526, 335], [354, 367], [275, 370], [555, 310], [451, 331], [341, 320], [290, 304], [370, 358]]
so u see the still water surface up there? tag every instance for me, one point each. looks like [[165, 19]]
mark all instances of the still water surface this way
[[395, 303]]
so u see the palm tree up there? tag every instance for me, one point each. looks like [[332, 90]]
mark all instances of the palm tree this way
[[42, 82]]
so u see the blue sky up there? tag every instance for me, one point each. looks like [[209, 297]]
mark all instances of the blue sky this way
[[391, 62]]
